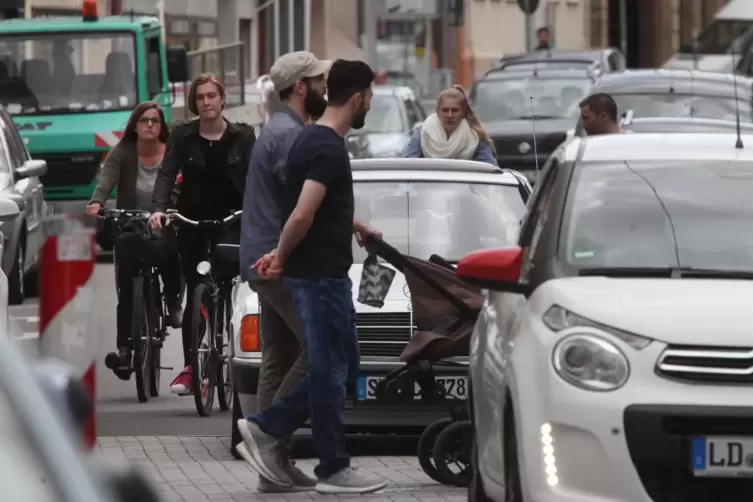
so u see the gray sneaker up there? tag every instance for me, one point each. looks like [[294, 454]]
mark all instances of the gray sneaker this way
[[258, 449], [349, 480], [301, 482]]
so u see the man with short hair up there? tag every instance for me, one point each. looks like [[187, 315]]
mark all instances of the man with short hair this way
[[315, 251], [598, 114], [542, 39], [298, 79]]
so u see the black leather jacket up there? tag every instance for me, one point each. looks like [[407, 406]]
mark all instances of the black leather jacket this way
[[183, 154]]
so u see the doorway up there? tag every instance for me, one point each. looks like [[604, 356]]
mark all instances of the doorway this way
[[632, 25]]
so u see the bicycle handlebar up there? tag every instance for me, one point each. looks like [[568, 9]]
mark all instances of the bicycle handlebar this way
[[116, 214], [174, 215]]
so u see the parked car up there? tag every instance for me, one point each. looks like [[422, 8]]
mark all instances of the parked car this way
[[395, 113], [678, 93], [21, 181], [528, 112], [423, 207], [608, 60], [612, 359], [684, 124], [42, 457]]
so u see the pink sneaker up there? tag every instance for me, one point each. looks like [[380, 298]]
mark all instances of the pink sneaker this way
[[182, 383]]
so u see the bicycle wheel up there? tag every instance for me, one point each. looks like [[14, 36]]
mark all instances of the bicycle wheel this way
[[203, 359], [141, 338], [158, 329], [224, 348]]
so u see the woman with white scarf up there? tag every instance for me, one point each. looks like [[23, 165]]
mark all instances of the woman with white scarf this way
[[453, 132]]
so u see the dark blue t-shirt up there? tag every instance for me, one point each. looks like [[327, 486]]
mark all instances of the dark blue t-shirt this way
[[326, 251]]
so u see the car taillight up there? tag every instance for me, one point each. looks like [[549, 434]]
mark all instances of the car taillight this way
[[249, 335]]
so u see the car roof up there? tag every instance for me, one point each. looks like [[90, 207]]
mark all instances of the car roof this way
[[400, 91], [660, 146], [691, 124], [683, 81], [432, 170], [512, 73]]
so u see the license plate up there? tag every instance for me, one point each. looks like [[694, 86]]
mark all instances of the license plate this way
[[722, 456], [455, 387]]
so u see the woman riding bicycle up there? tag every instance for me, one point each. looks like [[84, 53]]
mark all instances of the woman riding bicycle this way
[[132, 165], [452, 132], [212, 155]]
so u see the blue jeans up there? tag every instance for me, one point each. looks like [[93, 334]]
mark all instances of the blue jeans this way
[[327, 316]]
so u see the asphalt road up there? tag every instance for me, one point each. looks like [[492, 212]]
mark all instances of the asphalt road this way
[[120, 414]]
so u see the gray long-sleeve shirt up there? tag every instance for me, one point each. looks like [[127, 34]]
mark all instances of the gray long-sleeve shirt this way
[[262, 219]]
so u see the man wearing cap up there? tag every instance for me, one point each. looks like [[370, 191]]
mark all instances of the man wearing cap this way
[[299, 80]]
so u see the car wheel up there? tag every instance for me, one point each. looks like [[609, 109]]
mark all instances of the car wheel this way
[[513, 490], [235, 434], [16, 290]]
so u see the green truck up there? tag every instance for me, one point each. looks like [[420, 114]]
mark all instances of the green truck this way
[[70, 85]]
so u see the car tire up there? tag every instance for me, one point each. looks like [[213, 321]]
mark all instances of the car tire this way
[[16, 284], [235, 434]]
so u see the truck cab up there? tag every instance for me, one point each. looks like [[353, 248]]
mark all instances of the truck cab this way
[[70, 85]]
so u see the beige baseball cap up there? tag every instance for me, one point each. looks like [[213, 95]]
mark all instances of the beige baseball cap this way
[[294, 66]]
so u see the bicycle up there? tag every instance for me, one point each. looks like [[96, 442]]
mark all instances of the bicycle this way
[[210, 314], [149, 320]]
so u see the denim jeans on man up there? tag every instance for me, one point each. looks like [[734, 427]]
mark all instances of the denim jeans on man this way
[[327, 316]]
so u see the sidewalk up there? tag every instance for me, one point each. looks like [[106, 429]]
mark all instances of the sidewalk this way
[[197, 469]]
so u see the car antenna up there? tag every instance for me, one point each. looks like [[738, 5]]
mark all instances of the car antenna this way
[[535, 146], [739, 142]]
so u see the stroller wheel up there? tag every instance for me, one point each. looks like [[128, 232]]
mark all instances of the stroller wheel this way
[[452, 454], [426, 447]]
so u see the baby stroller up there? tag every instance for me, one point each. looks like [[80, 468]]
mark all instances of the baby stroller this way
[[445, 309]]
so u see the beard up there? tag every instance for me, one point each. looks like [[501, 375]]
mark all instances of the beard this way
[[359, 119], [314, 103]]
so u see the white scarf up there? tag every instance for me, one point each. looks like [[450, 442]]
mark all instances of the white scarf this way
[[461, 144]]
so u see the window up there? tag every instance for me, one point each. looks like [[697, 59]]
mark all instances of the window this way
[[534, 226], [153, 66], [284, 25], [383, 117], [451, 219], [67, 73], [410, 112], [299, 25], [16, 152]]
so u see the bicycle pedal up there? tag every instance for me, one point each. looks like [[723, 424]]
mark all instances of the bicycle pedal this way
[[168, 368]]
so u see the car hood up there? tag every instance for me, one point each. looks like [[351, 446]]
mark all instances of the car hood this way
[[517, 127], [246, 301], [678, 311], [715, 63]]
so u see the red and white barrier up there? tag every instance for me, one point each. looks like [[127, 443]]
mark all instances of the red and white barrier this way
[[66, 302]]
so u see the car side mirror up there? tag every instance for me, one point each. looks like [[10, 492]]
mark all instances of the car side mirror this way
[[9, 210], [31, 169], [494, 269], [177, 64]]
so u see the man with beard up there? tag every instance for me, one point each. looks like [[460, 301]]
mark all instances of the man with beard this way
[[315, 251], [298, 78]]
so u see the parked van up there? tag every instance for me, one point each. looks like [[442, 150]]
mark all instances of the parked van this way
[[723, 46]]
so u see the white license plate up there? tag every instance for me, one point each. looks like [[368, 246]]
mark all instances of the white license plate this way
[[455, 386], [722, 456]]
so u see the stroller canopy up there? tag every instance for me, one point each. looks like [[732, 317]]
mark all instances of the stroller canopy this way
[[445, 307]]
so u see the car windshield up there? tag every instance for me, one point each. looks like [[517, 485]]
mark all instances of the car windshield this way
[[67, 73], [384, 116], [682, 105], [504, 99], [451, 219], [724, 36], [661, 214]]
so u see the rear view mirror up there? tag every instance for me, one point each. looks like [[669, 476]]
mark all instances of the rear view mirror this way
[[9, 210], [177, 64], [495, 269], [31, 169]]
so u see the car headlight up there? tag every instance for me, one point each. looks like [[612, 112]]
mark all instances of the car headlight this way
[[559, 319], [586, 360]]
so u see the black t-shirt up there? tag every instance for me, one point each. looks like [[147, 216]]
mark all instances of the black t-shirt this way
[[326, 251], [219, 194]]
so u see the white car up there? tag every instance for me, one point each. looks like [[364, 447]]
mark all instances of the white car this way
[[612, 359], [423, 207]]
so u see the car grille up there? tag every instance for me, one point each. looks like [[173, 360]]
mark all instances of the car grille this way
[[509, 146], [70, 169], [707, 364], [384, 334]]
